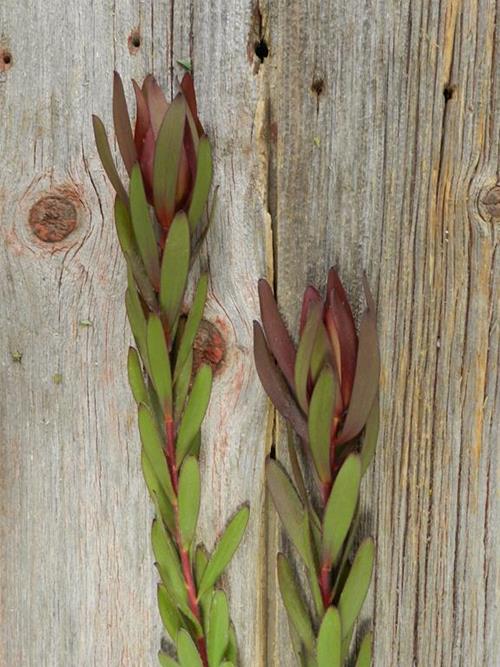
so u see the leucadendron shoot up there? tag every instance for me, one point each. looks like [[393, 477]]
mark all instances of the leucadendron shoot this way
[[160, 219], [327, 390]]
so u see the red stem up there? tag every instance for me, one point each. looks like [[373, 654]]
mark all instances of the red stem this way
[[187, 570]]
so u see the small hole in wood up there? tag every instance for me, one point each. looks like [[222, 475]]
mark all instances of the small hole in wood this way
[[449, 92], [134, 41], [261, 50], [5, 60], [318, 86], [272, 453]]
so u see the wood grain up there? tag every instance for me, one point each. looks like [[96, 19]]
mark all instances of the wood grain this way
[[368, 138]]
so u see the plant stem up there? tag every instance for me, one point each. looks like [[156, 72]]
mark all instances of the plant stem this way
[[187, 570]]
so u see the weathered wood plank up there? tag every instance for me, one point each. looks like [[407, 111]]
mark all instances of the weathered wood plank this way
[[386, 144], [77, 584]]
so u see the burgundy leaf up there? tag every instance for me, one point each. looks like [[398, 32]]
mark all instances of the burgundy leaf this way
[[343, 321], [142, 120], [123, 129], [157, 104], [277, 335], [274, 384], [187, 87], [366, 379], [311, 295]]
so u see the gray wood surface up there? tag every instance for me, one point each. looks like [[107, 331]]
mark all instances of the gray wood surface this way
[[341, 147]]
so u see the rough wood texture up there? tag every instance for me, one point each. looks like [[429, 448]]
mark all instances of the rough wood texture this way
[[369, 133]]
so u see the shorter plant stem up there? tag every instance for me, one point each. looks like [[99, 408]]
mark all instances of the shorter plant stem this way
[[187, 570], [324, 584]]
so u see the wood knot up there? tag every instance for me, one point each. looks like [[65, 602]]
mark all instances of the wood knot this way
[[491, 201], [52, 218], [209, 347], [5, 60]]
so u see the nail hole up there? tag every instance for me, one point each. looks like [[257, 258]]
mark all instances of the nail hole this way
[[5, 60], [318, 86], [272, 453], [261, 50], [449, 92], [134, 41]]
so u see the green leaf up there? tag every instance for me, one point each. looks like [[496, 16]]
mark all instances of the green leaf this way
[[187, 651], [304, 353], [218, 629], [365, 651], [232, 646], [202, 182], [136, 377], [168, 563], [224, 549], [143, 227], [156, 492], [167, 158], [159, 362], [123, 130], [294, 605], [136, 320], [357, 584], [192, 324], [153, 447], [166, 661], [319, 422], [181, 386], [174, 270], [126, 237], [200, 563], [108, 164], [194, 413], [321, 353], [168, 611], [370, 436], [330, 640], [189, 499], [340, 508], [288, 505]]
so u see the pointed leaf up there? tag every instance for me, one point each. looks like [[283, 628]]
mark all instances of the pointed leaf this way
[[218, 629], [366, 379], [224, 549], [123, 129], [166, 661], [174, 270], [143, 227], [125, 233], [187, 651], [108, 164], [195, 411], [202, 183], [370, 436], [156, 492], [192, 324], [321, 354], [153, 447], [136, 377], [304, 354], [288, 505], [168, 611], [189, 499], [167, 158], [277, 336], [330, 640], [232, 646], [294, 605], [357, 584], [167, 562], [274, 383], [159, 362], [181, 386], [340, 508], [365, 651], [319, 422]]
